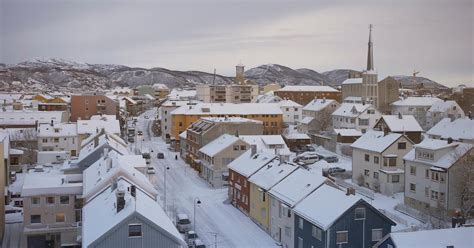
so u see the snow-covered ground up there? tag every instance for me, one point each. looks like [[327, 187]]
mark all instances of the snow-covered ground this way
[[215, 219]]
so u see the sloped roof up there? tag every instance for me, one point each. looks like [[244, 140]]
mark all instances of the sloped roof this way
[[271, 174], [316, 88], [376, 141], [417, 101], [351, 109], [458, 129], [219, 144], [318, 104], [407, 123], [437, 238], [246, 164], [229, 109]]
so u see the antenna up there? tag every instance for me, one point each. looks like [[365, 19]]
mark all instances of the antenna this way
[[214, 78]]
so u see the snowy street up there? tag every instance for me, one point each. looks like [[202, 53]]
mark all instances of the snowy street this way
[[215, 219]]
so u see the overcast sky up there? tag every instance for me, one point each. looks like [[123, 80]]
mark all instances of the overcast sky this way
[[432, 36]]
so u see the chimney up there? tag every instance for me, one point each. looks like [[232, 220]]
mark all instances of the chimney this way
[[120, 200], [350, 191], [133, 191], [385, 131], [400, 116], [253, 149], [52, 122], [450, 140], [108, 163]]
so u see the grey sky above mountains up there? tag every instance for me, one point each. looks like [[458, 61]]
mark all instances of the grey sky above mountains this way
[[435, 37]]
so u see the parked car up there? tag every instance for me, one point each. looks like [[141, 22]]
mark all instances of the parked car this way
[[197, 243], [140, 132], [131, 139], [331, 159], [333, 171], [146, 117], [183, 224], [150, 170], [310, 148], [306, 158], [190, 236], [160, 155]]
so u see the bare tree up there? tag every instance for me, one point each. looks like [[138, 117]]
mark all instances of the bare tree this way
[[465, 183], [27, 141]]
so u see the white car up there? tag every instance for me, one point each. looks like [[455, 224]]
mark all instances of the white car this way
[[150, 170]]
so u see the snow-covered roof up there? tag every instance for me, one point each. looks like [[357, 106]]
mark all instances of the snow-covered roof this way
[[130, 100], [348, 132], [351, 109], [182, 94], [104, 171], [402, 123], [263, 143], [230, 119], [51, 182], [295, 135], [352, 81], [417, 101], [297, 185], [443, 106], [288, 103], [272, 173], [325, 205], [459, 129], [246, 164], [353, 99], [57, 130], [30, 117], [219, 144], [183, 135], [100, 214], [269, 97], [455, 152], [306, 120], [160, 87], [97, 123], [318, 104], [462, 237], [316, 88], [376, 141], [228, 109]]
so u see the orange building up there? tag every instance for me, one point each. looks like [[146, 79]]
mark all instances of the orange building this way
[[303, 94], [85, 106]]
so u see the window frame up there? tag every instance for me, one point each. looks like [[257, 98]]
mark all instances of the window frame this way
[[372, 234], [346, 237], [31, 219], [61, 200], [356, 213], [316, 232], [59, 215], [134, 225]]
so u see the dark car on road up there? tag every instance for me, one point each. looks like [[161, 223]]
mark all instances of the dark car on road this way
[[160, 155]]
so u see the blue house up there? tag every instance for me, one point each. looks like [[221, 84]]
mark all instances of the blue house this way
[[330, 218]]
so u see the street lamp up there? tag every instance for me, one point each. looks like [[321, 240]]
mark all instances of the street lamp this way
[[166, 169], [196, 201]]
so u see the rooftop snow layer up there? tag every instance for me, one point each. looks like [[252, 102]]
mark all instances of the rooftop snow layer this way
[[351, 109], [417, 101], [375, 141], [352, 81], [271, 174], [51, 182], [315, 88], [318, 104], [407, 123], [228, 109], [459, 129], [462, 237], [246, 164], [219, 144]]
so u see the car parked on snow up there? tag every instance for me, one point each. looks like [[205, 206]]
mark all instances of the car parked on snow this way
[[150, 170], [183, 224], [140, 132], [331, 159], [190, 236], [197, 243]]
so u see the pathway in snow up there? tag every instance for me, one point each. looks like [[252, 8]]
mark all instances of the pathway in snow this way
[[213, 215]]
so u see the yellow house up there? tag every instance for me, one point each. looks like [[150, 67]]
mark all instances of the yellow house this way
[[260, 183], [270, 114]]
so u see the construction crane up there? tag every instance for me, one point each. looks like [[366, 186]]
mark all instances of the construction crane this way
[[415, 72]]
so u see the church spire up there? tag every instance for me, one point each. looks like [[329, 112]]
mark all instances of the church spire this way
[[370, 54]]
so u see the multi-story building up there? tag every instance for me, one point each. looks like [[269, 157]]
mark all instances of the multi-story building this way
[[292, 111], [284, 196], [317, 115], [240, 170], [58, 137], [461, 130], [241, 92], [260, 183], [96, 124], [329, 217], [165, 115], [51, 207], [30, 119], [4, 151], [161, 91], [87, 105], [377, 161], [402, 124], [443, 109], [438, 174], [207, 129], [416, 106], [361, 117], [216, 155], [269, 114], [303, 94], [269, 143]]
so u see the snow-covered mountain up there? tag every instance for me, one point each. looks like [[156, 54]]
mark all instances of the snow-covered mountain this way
[[62, 75]]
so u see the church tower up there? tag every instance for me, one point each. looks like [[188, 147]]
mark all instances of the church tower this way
[[369, 76], [239, 74]]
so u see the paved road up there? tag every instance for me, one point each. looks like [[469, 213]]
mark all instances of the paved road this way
[[12, 235]]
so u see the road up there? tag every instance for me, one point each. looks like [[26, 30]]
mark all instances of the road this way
[[12, 235], [216, 220]]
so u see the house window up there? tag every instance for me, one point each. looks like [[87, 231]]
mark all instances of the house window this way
[[367, 157], [366, 173], [377, 234], [300, 242], [300, 223], [56, 140], [35, 219], [288, 231], [434, 195], [342, 237], [435, 176], [45, 140], [412, 187], [236, 148], [243, 148], [391, 162], [427, 192], [359, 214], [441, 196], [363, 122], [316, 232], [35, 200], [376, 160], [395, 179], [402, 145], [60, 218], [135, 230], [413, 170], [50, 199], [427, 174], [64, 199], [376, 175]]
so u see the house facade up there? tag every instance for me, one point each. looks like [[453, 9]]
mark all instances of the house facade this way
[[317, 115], [416, 106], [87, 105], [402, 124], [361, 117], [303, 94], [292, 111], [377, 161], [443, 109], [59, 137]]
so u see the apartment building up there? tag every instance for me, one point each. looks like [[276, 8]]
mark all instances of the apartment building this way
[[269, 114], [436, 174], [30, 119], [292, 111], [317, 115], [161, 91], [361, 117], [416, 106], [216, 155], [59, 137], [377, 161], [165, 115], [303, 94], [4, 151], [87, 105], [51, 207], [443, 109]]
